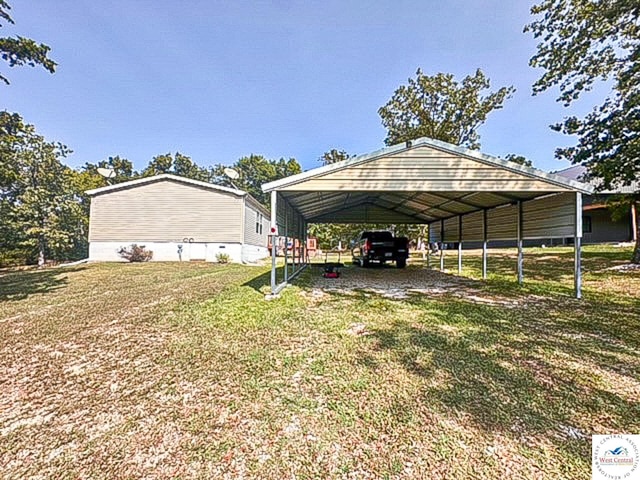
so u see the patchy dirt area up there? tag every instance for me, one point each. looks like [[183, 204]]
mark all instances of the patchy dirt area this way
[[394, 283], [389, 281], [164, 371], [627, 267]]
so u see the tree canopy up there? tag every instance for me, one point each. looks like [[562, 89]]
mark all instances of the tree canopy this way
[[334, 156], [18, 51], [581, 43], [254, 170], [441, 108], [39, 208], [178, 164], [519, 159]]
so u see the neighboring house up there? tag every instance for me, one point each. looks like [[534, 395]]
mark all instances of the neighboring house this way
[[178, 219], [597, 224]]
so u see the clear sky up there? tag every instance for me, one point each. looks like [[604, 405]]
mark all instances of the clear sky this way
[[220, 80]]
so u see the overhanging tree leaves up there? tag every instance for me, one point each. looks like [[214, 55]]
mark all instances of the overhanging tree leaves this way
[[255, 170], [441, 108], [519, 159], [582, 42], [19, 51], [178, 164], [122, 167], [334, 156]]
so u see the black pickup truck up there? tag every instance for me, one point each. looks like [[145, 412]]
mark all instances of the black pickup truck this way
[[380, 246]]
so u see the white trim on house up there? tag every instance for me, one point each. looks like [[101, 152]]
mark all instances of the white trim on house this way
[[168, 251]]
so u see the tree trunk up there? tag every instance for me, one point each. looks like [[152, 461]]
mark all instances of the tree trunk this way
[[41, 259], [635, 207]]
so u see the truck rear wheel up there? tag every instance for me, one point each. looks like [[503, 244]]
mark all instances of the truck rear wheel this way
[[401, 263]]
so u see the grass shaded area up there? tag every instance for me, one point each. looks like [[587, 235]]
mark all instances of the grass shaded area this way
[[185, 371]]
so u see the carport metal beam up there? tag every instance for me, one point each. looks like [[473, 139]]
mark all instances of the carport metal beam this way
[[485, 234], [442, 245], [275, 288], [459, 244], [297, 267], [519, 242], [577, 246]]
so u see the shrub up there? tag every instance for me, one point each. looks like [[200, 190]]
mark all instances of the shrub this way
[[223, 258], [135, 253]]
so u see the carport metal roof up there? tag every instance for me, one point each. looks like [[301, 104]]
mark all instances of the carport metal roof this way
[[418, 182], [427, 181]]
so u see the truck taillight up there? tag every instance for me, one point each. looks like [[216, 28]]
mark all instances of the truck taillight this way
[[367, 246]]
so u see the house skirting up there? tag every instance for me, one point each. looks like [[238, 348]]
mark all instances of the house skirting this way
[[171, 251]]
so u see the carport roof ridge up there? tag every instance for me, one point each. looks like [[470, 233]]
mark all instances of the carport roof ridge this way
[[530, 172]]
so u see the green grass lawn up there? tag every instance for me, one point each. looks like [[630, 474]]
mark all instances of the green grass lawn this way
[[169, 371]]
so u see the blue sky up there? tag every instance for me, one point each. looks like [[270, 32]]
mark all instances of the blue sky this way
[[219, 80]]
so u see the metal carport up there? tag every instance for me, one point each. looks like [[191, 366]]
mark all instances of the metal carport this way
[[463, 195]]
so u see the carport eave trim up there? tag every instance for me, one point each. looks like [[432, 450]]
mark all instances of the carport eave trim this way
[[552, 178]]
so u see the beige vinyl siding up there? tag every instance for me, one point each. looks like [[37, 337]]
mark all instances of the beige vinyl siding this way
[[424, 169], [472, 226], [251, 237], [551, 216], [548, 217], [502, 223], [165, 211], [451, 230]]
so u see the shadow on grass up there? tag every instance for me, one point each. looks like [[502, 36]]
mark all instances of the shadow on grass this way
[[543, 365], [18, 285], [262, 283], [504, 372]]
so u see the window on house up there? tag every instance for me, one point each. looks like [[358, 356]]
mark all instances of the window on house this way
[[259, 221], [586, 224]]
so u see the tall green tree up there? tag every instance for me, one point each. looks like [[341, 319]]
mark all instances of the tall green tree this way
[[580, 43], [177, 164], [11, 130], [38, 203], [441, 108], [18, 51], [254, 171], [122, 167]]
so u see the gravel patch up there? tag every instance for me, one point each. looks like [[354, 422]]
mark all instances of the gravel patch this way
[[627, 267], [399, 284], [390, 278]]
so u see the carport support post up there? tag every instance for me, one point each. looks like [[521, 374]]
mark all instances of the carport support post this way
[[520, 253], [293, 249], [286, 246], [305, 237], [577, 246], [274, 239], [428, 245], [484, 244], [460, 245], [442, 245]]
